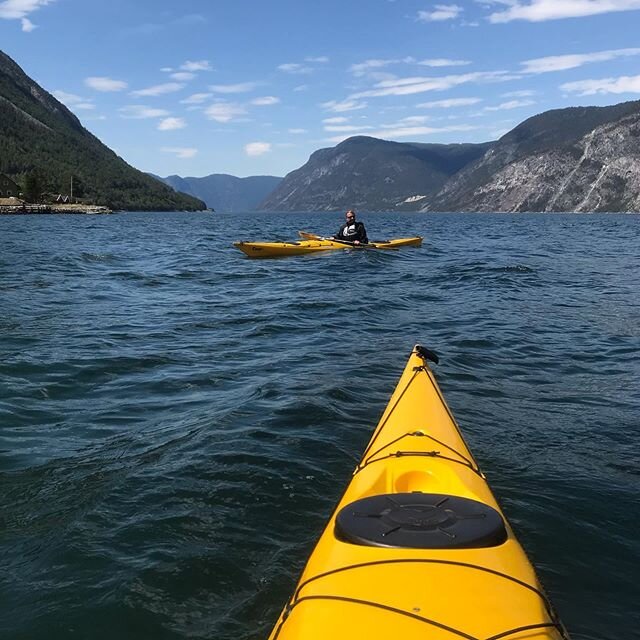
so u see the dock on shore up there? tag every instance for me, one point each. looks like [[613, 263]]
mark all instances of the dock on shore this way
[[48, 209]]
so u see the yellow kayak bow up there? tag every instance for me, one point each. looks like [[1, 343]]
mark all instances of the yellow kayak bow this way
[[417, 547]]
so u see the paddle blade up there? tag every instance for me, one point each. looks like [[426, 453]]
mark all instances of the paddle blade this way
[[309, 236]]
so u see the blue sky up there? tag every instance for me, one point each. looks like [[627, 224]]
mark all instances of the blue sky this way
[[254, 87]]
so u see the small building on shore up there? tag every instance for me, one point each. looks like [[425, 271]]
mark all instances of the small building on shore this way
[[8, 188]]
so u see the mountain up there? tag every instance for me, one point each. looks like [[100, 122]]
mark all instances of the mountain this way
[[371, 174], [226, 193], [39, 135], [577, 159]]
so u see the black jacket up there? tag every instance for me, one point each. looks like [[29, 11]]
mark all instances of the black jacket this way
[[352, 231]]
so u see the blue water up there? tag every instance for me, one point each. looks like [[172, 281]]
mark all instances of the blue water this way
[[177, 420]]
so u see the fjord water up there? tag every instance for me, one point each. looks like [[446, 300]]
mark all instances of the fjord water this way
[[177, 420]]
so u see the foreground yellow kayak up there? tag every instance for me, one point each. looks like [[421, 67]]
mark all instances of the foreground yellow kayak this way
[[418, 547], [279, 249]]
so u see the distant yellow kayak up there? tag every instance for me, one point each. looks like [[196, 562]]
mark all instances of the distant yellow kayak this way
[[417, 547], [279, 249]]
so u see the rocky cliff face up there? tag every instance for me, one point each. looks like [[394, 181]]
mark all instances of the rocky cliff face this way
[[371, 174], [578, 159]]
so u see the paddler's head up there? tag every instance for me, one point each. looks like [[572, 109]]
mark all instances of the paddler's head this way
[[351, 215]]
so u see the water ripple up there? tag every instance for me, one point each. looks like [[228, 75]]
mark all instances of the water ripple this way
[[178, 420]]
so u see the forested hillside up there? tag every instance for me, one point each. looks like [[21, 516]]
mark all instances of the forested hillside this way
[[43, 143]]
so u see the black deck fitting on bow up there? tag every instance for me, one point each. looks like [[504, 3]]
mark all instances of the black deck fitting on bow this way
[[427, 354]]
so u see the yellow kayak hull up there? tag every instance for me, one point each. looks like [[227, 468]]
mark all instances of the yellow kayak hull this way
[[280, 249], [417, 568]]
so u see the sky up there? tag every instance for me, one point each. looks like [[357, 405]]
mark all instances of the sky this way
[[254, 87]]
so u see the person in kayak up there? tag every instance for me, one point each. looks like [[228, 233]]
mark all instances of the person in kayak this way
[[352, 230]]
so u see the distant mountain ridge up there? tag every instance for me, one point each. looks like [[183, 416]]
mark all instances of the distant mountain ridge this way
[[224, 192], [575, 159], [371, 174], [39, 134]]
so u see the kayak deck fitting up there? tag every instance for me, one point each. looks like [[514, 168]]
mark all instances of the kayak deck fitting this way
[[417, 546], [280, 249]]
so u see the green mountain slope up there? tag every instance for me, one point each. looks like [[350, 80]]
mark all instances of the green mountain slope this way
[[38, 133]]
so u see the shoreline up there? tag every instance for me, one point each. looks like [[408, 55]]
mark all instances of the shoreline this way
[[53, 209]]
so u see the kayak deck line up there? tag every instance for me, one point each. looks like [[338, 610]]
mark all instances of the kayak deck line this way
[[557, 626], [418, 434], [554, 619], [417, 538], [384, 607], [506, 576], [468, 461]]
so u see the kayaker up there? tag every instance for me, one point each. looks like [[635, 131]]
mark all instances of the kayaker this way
[[352, 230]]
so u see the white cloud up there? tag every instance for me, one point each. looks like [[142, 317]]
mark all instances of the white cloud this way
[[197, 65], [295, 68], [257, 148], [542, 10], [141, 112], [412, 120], [301, 87], [191, 19], [344, 105], [347, 127], [17, 9], [336, 120], [68, 99], [443, 62], [171, 124], [159, 89], [409, 86], [512, 104], [391, 132], [623, 84], [240, 87], [181, 152], [362, 68], [400, 131], [571, 61], [297, 131], [320, 59], [196, 98], [447, 104], [526, 93], [100, 83], [224, 111], [183, 76], [441, 12], [265, 101], [20, 9]]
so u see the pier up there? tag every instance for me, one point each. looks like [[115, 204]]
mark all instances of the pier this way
[[20, 208]]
